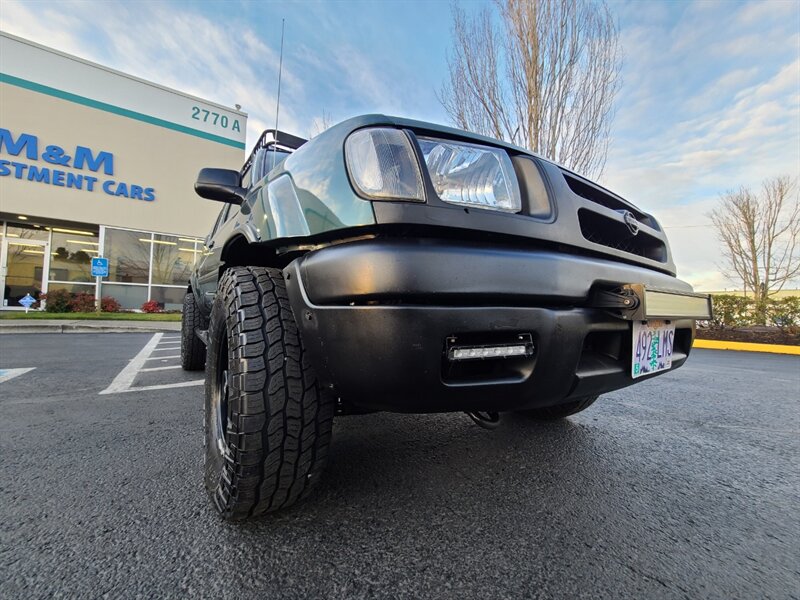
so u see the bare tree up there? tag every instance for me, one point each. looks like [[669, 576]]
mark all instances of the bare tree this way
[[320, 124], [760, 235], [544, 78]]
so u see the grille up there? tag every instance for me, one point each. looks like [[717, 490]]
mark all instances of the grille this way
[[601, 230], [604, 198]]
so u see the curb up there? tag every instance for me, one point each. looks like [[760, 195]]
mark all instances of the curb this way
[[746, 347]]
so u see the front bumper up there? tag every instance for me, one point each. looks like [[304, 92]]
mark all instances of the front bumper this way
[[377, 316]]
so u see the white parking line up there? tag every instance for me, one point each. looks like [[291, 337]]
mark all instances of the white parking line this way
[[165, 386], [123, 382], [159, 368], [164, 349], [6, 374]]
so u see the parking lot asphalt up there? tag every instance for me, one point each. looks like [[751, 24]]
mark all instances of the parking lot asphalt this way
[[685, 486]]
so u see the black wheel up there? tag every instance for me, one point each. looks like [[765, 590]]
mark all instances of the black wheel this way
[[559, 411], [267, 419], [193, 350]]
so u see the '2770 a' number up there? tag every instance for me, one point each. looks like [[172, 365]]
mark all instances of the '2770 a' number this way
[[208, 116]]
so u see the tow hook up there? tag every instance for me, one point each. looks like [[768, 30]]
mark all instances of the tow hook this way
[[487, 420]]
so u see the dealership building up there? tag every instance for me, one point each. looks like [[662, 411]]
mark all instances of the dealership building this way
[[97, 163]]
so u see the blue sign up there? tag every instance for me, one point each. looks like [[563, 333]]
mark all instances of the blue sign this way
[[66, 167], [99, 267], [27, 301]]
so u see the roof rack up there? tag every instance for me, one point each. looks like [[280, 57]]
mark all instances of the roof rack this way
[[273, 137]]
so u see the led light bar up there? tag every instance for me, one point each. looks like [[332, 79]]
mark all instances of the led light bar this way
[[665, 304], [522, 347], [487, 352]]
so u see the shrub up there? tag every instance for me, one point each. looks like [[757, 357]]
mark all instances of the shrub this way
[[785, 313], [57, 301], [151, 306], [732, 311], [82, 302], [109, 304]]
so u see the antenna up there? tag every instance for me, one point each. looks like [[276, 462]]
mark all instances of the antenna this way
[[278, 104]]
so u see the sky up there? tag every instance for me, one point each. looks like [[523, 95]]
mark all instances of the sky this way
[[709, 97]]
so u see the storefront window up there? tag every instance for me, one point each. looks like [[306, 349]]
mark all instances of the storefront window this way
[[173, 259], [71, 256], [142, 265], [24, 231], [72, 288], [170, 298], [191, 248], [129, 296], [128, 254]]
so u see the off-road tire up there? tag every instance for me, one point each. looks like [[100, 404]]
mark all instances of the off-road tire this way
[[273, 446], [193, 350], [559, 411]]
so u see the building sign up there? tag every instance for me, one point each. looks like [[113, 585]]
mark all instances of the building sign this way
[[30, 66], [88, 169]]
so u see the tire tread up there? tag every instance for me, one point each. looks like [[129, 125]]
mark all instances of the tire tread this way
[[193, 350], [279, 438]]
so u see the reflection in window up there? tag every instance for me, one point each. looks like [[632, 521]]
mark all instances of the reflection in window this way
[[169, 298], [129, 296], [173, 258], [24, 231], [128, 254], [72, 288], [71, 256]]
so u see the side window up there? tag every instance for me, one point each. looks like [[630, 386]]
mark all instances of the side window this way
[[220, 220], [258, 166], [246, 178], [230, 213]]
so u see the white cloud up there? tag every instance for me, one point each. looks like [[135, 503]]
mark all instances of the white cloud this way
[[699, 116], [49, 26], [222, 62], [756, 12], [226, 60]]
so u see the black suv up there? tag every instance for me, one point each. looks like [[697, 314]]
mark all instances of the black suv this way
[[390, 264]]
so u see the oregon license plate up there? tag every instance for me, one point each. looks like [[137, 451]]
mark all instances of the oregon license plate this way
[[652, 347]]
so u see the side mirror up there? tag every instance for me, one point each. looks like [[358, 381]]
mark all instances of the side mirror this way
[[222, 185]]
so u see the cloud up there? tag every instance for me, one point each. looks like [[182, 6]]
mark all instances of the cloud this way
[[757, 12], [234, 60], [180, 49], [698, 116], [50, 26]]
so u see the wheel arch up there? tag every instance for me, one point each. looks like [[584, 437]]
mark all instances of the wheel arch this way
[[240, 252]]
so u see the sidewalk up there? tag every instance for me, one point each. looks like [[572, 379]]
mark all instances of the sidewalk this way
[[86, 326]]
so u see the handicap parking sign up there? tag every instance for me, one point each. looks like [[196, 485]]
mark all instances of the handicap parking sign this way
[[27, 301], [99, 267]]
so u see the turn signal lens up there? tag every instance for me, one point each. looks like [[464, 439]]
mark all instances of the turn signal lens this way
[[383, 166]]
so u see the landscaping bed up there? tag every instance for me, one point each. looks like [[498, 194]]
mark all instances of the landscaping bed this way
[[105, 316], [753, 334]]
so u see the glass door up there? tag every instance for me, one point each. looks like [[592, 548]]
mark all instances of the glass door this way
[[23, 265]]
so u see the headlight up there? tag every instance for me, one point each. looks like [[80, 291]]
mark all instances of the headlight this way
[[472, 175], [383, 166]]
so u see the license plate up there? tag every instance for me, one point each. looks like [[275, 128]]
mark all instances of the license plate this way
[[652, 347]]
